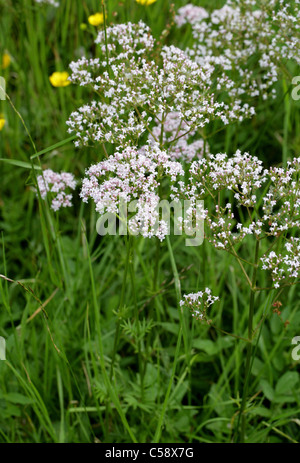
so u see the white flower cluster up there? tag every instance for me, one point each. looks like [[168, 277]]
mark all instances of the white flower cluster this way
[[102, 122], [49, 2], [198, 303], [126, 40], [284, 266], [130, 175], [190, 14], [162, 97], [133, 88], [282, 201], [56, 184], [242, 175], [248, 42], [250, 200]]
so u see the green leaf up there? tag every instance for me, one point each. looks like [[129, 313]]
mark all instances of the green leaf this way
[[213, 347], [53, 147], [16, 162], [170, 327], [224, 342], [260, 411], [207, 345], [267, 389], [287, 382], [16, 398]]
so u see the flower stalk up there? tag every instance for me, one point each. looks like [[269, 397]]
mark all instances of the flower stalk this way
[[249, 346]]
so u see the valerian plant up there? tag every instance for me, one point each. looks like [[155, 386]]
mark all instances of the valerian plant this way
[[150, 102], [247, 202], [137, 87], [248, 42]]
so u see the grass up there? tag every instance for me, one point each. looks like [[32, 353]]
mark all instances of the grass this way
[[97, 347]]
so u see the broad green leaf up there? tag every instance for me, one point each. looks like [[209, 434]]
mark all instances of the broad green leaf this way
[[16, 398], [207, 345], [287, 382]]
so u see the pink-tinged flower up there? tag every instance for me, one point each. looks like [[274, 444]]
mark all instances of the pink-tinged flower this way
[[56, 185], [138, 87], [190, 14], [132, 175], [247, 45]]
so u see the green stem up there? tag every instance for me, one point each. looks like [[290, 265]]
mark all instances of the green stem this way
[[242, 415], [286, 123], [118, 324], [105, 35], [178, 344], [136, 314], [107, 381]]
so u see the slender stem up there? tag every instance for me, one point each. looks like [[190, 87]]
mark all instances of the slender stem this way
[[243, 269], [240, 258], [178, 345], [118, 324], [242, 415], [136, 315], [279, 287], [230, 334], [287, 113], [105, 35], [112, 393], [155, 288]]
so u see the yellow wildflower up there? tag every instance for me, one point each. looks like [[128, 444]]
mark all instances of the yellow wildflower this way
[[96, 19], [5, 60], [59, 79], [145, 2], [2, 122]]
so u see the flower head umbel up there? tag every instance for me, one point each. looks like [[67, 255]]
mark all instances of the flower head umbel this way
[[284, 266], [60, 79], [96, 19], [56, 184], [139, 85], [132, 175], [248, 42], [247, 200], [198, 304], [190, 14]]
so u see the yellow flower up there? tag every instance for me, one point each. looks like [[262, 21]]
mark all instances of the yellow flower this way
[[5, 61], [59, 79], [96, 19], [2, 123], [145, 2]]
